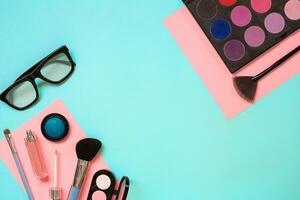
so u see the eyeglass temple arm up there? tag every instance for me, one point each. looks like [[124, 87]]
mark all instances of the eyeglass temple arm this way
[[30, 70]]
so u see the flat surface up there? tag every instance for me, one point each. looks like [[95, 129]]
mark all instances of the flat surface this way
[[66, 155], [135, 91], [213, 72]]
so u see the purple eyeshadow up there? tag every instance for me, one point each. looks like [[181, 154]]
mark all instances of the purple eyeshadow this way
[[234, 50], [274, 23], [254, 36], [241, 16]]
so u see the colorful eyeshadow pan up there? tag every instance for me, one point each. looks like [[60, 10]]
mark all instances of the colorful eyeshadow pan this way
[[220, 29], [274, 23], [254, 36], [241, 16], [103, 182], [234, 50], [261, 6], [241, 31], [55, 127], [227, 2], [98, 195], [207, 9], [292, 9]]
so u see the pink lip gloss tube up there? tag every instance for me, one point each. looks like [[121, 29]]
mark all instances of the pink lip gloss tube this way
[[35, 156]]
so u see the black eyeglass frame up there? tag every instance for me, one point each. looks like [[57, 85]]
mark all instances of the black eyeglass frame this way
[[35, 72]]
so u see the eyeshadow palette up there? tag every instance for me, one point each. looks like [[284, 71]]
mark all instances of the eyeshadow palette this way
[[103, 187], [241, 30]]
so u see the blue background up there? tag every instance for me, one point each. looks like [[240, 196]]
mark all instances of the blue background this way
[[134, 89]]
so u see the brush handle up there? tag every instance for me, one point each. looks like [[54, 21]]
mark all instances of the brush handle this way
[[22, 174], [275, 65], [74, 193]]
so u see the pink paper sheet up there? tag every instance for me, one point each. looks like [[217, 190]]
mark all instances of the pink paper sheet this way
[[67, 155], [211, 69]]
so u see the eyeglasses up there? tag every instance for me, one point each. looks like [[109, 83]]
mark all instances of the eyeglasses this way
[[55, 69]]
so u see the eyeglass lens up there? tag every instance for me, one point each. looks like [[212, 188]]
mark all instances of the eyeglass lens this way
[[57, 68], [22, 94]]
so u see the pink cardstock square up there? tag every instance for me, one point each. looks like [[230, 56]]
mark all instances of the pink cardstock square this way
[[213, 72], [67, 155]]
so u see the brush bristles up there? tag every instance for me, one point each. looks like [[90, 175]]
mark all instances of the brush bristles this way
[[6, 131], [87, 149], [245, 87]]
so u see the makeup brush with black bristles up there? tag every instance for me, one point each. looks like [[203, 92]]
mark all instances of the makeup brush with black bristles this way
[[246, 85], [86, 150]]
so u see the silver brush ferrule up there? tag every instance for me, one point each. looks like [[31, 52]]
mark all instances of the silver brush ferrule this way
[[29, 136], [81, 170]]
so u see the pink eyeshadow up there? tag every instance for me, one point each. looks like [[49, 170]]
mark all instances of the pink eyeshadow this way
[[241, 16], [292, 9], [254, 36], [261, 6], [99, 195]]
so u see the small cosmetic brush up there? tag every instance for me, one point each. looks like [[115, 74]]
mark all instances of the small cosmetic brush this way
[[246, 85], [55, 191], [86, 150], [13, 149]]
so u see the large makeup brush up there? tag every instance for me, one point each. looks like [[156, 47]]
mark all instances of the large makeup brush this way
[[246, 85], [86, 150]]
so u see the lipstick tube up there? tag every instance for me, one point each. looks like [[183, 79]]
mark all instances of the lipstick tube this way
[[35, 156]]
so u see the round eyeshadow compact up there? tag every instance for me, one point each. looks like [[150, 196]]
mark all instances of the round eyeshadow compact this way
[[55, 127], [103, 185]]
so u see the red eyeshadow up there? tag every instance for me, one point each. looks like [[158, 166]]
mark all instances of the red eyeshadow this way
[[261, 6], [227, 2]]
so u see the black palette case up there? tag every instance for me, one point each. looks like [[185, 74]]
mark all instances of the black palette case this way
[[202, 12]]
